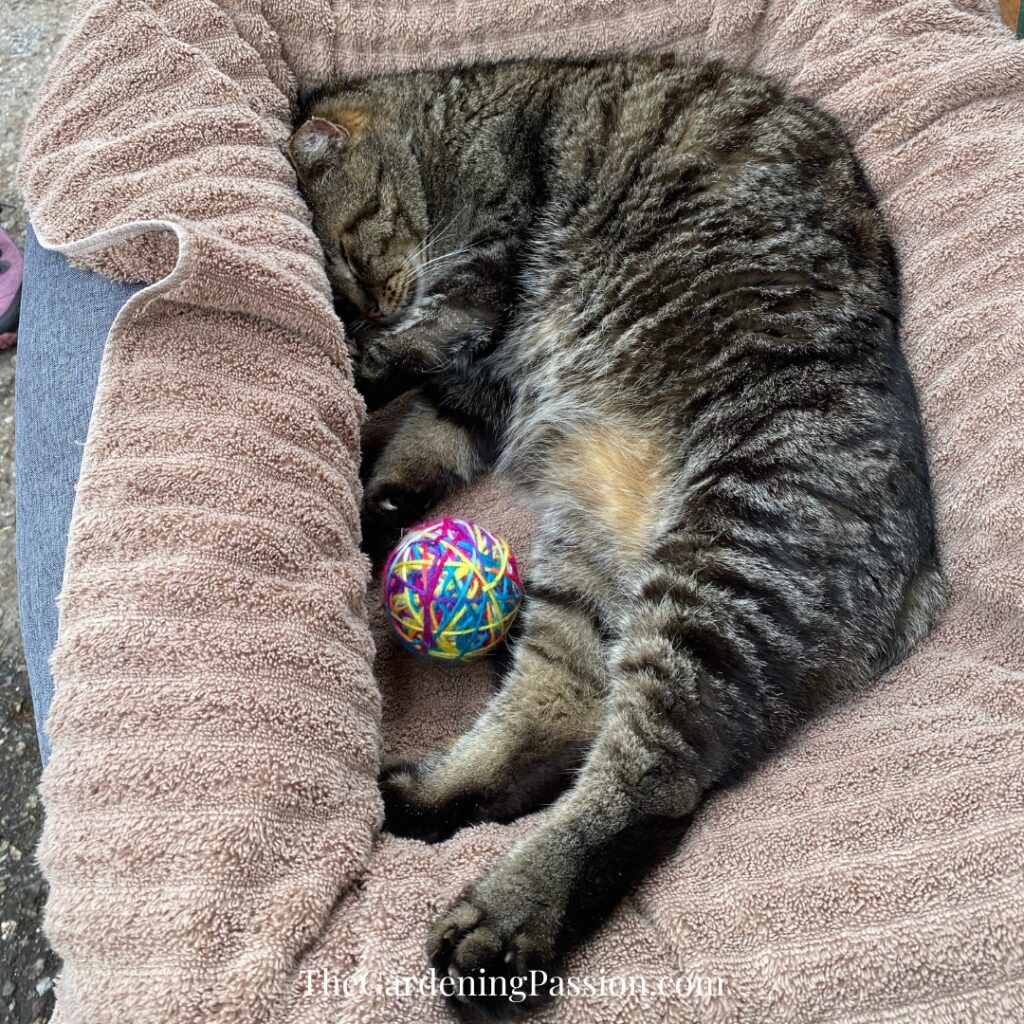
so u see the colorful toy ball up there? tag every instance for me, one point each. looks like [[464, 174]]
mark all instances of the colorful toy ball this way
[[451, 589]]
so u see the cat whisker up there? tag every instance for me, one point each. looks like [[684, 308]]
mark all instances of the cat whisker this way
[[435, 233], [444, 257], [441, 366], [447, 255], [357, 327], [449, 223]]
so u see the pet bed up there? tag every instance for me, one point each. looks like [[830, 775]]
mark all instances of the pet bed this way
[[211, 837]]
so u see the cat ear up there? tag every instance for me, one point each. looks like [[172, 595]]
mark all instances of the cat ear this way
[[316, 146]]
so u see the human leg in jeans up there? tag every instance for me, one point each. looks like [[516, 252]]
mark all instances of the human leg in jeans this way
[[66, 314]]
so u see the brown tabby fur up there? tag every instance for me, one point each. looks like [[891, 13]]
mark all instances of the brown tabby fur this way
[[661, 296]]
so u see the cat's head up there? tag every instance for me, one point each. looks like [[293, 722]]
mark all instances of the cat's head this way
[[364, 184]]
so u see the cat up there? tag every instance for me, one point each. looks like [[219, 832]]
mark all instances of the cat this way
[[660, 296]]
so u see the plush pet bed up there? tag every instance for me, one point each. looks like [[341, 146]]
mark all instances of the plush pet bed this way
[[211, 838]]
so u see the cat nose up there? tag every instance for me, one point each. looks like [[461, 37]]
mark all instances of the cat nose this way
[[375, 313]]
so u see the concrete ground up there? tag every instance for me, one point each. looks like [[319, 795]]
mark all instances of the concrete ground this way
[[30, 31]]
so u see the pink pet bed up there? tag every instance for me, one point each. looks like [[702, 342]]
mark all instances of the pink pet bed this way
[[212, 821]]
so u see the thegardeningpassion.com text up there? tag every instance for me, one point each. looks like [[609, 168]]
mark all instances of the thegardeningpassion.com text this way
[[514, 989]]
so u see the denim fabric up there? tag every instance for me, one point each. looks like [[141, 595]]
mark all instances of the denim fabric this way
[[65, 317]]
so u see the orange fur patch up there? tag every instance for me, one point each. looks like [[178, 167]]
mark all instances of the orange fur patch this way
[[617, 472]]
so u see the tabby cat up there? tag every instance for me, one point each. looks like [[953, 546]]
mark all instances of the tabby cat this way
[[661, 297]]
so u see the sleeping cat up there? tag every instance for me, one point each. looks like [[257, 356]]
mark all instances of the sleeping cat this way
[[660, 296]]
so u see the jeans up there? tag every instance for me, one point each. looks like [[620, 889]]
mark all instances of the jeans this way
[[65, 317]]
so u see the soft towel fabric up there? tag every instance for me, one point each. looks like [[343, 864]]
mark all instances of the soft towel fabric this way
[[211, 837]]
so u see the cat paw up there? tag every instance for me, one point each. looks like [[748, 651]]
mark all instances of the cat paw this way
[[388, 509], [488, 941], [412, 813]]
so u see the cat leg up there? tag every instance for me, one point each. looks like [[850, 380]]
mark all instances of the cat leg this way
[[686, 706], [535, 728], [427, 458]]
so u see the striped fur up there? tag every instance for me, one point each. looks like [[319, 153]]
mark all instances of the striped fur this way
[[661, 296]]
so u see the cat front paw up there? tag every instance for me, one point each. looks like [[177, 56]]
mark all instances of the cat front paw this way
[[379, 378], [389, 508], [496, 942]]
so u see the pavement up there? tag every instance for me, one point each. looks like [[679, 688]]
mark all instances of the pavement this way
[[30, 32]]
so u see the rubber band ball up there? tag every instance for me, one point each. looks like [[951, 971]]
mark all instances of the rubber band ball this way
[[451, 590]]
